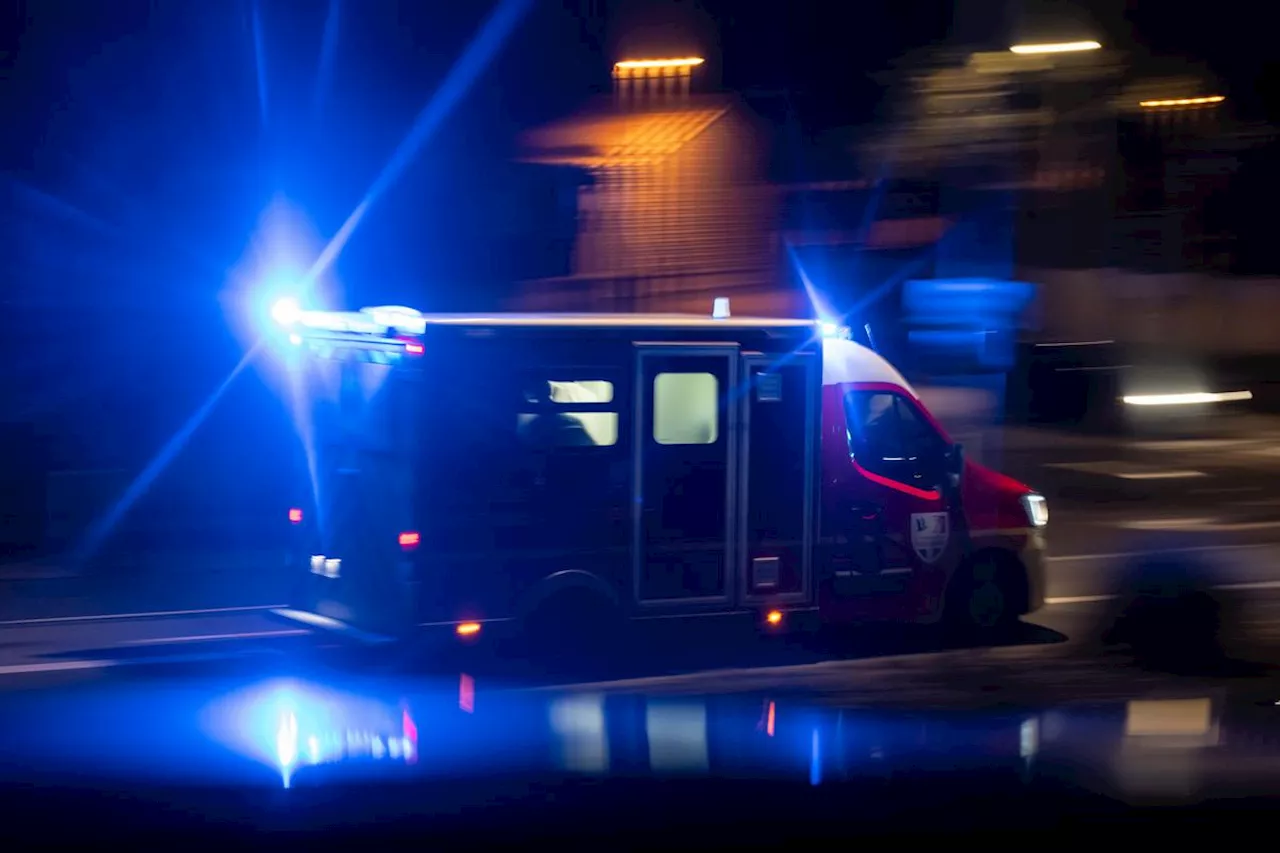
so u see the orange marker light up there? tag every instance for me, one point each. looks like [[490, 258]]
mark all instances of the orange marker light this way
[[774, 617], [295, 516], [467, 629]]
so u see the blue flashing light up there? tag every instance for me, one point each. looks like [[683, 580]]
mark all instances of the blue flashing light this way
[[835, 330], [286, 311]]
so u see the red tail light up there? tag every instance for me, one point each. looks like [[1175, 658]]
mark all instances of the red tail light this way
[[295, 516], [413, 348], [409, 541]]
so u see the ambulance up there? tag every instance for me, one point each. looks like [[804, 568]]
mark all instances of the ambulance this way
[[490, 474]]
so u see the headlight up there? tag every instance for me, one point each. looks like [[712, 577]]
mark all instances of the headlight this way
[[1037, 509]]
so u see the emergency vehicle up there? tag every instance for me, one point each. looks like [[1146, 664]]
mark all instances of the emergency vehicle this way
[[482, 473]]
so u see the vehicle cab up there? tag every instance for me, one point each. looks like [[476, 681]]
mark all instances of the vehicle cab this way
[[940, 535], [472, 474]]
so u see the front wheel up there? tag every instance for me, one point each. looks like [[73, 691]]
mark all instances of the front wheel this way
[[983, 600]]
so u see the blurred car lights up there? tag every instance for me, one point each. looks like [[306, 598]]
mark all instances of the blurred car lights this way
[[1199, 398], [1055, 47]]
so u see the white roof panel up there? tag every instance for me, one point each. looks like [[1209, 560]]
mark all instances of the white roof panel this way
[[847, 361]]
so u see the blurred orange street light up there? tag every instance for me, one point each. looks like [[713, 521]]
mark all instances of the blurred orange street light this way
[[1056, 47], [658, 64], [1183, 102]]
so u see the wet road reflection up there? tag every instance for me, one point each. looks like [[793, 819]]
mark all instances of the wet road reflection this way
[[302, 733]]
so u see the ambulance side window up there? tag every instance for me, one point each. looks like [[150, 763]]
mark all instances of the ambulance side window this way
[[888, 436], [561, 410]]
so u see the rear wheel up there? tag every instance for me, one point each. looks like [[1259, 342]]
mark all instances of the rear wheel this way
[[575, 628], [984, 600]]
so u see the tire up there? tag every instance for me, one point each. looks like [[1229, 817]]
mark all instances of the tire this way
[[983, 600]]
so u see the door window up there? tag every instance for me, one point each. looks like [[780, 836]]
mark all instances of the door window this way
[[686, 408]]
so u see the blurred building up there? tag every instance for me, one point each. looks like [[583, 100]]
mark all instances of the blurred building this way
[[673, 207], [1117, 188], [1187, 178]]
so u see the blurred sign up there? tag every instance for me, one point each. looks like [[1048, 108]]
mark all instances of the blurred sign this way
[[970, 303], [964, 325]]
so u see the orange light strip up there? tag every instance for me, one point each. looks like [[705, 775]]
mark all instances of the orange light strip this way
[[684, 62], [1183, 102]]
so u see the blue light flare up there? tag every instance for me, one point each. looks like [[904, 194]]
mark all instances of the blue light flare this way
[[289, 725], [286, 311]]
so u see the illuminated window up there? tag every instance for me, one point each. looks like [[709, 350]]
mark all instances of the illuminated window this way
[[568, 413], [686, 408]]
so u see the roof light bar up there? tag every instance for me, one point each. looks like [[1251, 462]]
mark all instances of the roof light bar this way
[[354, 322], [404, 320]]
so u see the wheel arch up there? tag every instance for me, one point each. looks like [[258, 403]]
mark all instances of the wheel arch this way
[[563, 585], [1004, 559]]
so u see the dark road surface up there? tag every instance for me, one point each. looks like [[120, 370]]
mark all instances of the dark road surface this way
[[1211, 500]]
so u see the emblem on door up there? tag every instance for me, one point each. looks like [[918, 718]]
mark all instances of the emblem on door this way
[[929, 534]]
